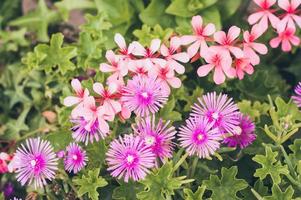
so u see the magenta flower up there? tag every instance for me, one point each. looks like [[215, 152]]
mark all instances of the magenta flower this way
[[287, 38], [199, 137], [75, 159], [35, 162], [129, 158], [220, 110], [292, 14], [297, 97], [245, 133], [158, 136], [143, 95]]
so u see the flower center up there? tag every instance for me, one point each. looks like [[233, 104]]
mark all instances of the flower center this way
[[237, 130], [215, 115], [149, 140], [38, 164], [74, 157], [144, 94], [130, 159], [33, 163], [200, 136]]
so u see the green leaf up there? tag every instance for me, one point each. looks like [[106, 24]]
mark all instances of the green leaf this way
[[197, 93], [189, 195], [161, 184], [285, 109], [60, 139], [155, 14], [212, 15], [228, 7], [12, 40], [97, 151], [277, 193], [296, 148], [168, 113], [89, 183], [270, 166], [96, 25], [227, 186], [254, 111], [127, 191]]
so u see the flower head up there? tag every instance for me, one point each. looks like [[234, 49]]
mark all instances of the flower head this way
[[199, 137], [297, 97], [4, 158], [158, 136], [287, 38], [220, 110], [242, 66], [129, 157], [35, 162], [143, 95], [292, 14], [245, 136], [76, 158]]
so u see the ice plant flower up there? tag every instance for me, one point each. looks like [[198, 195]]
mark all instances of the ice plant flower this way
[[198, 40], [143, 95], [226, 41], [244, 135], [287, 38], [129, 158], [292, 14], [250, 47], [158, 136], [35, 162], [173, 57], [199, 137], [220, 61], [242, 66], [75, 159], [264, 14], [219, 109], [297, 96], [108, 97]]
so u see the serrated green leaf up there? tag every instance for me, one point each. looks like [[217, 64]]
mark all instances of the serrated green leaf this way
[[197, 195], [59, 139], [296, 148], [127, 191], [168, 113], [254, 111], [277, 193], [97, 151]]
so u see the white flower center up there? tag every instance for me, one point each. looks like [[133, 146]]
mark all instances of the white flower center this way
[[33, 163], [200, 136], [74, 157], [237, 130], [215, 115], [144, 94], [130, 159], [149, 140]]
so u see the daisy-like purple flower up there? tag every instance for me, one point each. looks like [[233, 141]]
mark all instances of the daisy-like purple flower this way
[[128, 157], [143, 95], [75, 159], [35, 162], [157, 136], [245, 133], [200, 137], [220, 110], [297, 97]]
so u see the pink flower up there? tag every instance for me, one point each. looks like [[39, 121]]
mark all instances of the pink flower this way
[[143, 95], [292, 14], [138, 67], [199, 137], [220, 110], [80, 93], [201, 33], [287, 38], [173, 57], [35, 162], [4, 158], [297, 96], [125, 51], [250, 47], [245, 136], [242, 66], [264, 14], [158, 136], [125, 112], [76, 158], [227, 41], [129, 158], [220, 61], [108, 97]]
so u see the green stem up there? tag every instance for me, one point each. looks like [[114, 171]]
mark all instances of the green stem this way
[[286, 137], [180, 162], [194, 165], [66, 177], [258, 196], [288, 161], [293, 181], [29, 134]]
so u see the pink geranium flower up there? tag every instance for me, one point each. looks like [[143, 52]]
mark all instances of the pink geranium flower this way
[[130, 158], [250, 47], [264, 14], [124, 50], [138, 67], [4, 158], [172, 56], [242, 66], [287, 38], [108, 96], [292, 14], [198, 40], [220, 61], [227, 41]]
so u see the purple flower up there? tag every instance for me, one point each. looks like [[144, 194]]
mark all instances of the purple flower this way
[[60, 154], [75, 159], [200, 137], [220, 110], [128, 157], [8, 189], [244, 135], [297, 97], [143, 95], [35, 162], [157, 136]]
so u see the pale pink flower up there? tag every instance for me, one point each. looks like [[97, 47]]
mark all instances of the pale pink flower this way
[[198, 40], [264, 14], [292, 14], [287, 38], [227, 41], [221, 62], [173, 57], [138, 67], [242, 66], [4, 158], [250, 47], [125, 113], [125, 51], [108, 96]]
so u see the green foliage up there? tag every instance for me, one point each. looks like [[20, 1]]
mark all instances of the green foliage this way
[[96, 151], [254, 111], [227, 186], [168, 113], [126, 191], [59, 140], [189, 195], [277, 194], [89, 183], [12, 40]]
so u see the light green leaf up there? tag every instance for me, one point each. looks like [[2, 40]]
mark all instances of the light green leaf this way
[[59, 139], [127, 191], [97, 151], [228, 7], [277, 193], [197, 195], [168, 113]]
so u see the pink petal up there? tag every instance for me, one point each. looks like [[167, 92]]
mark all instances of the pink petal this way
[[197, 22], [164, 50], [253, 18], [76, 85], [260, 48], [240, 73], [70, 101], [249, 69], [175, 42], [193, 49], [155, 45], [103, 125], [110, 56], [251, 55], [89, 102], [297, 19], [118, 38], [188, 39], [275, 42], [209, 29], [205, 69], [98, 88], [295, 40], [138, 50], [274, 20], [257, 31], [264, 23], [295, 3], [219, 76], [220, 37], [104, 67], [180, 69], [237, 52], [125, 113], [182, 57], [230, 72], [112, 88], [286, 45], [175, 82], [284, 4], [233, 33]]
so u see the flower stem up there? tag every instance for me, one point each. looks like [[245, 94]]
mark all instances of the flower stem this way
[[288, 161], [180, 162]]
